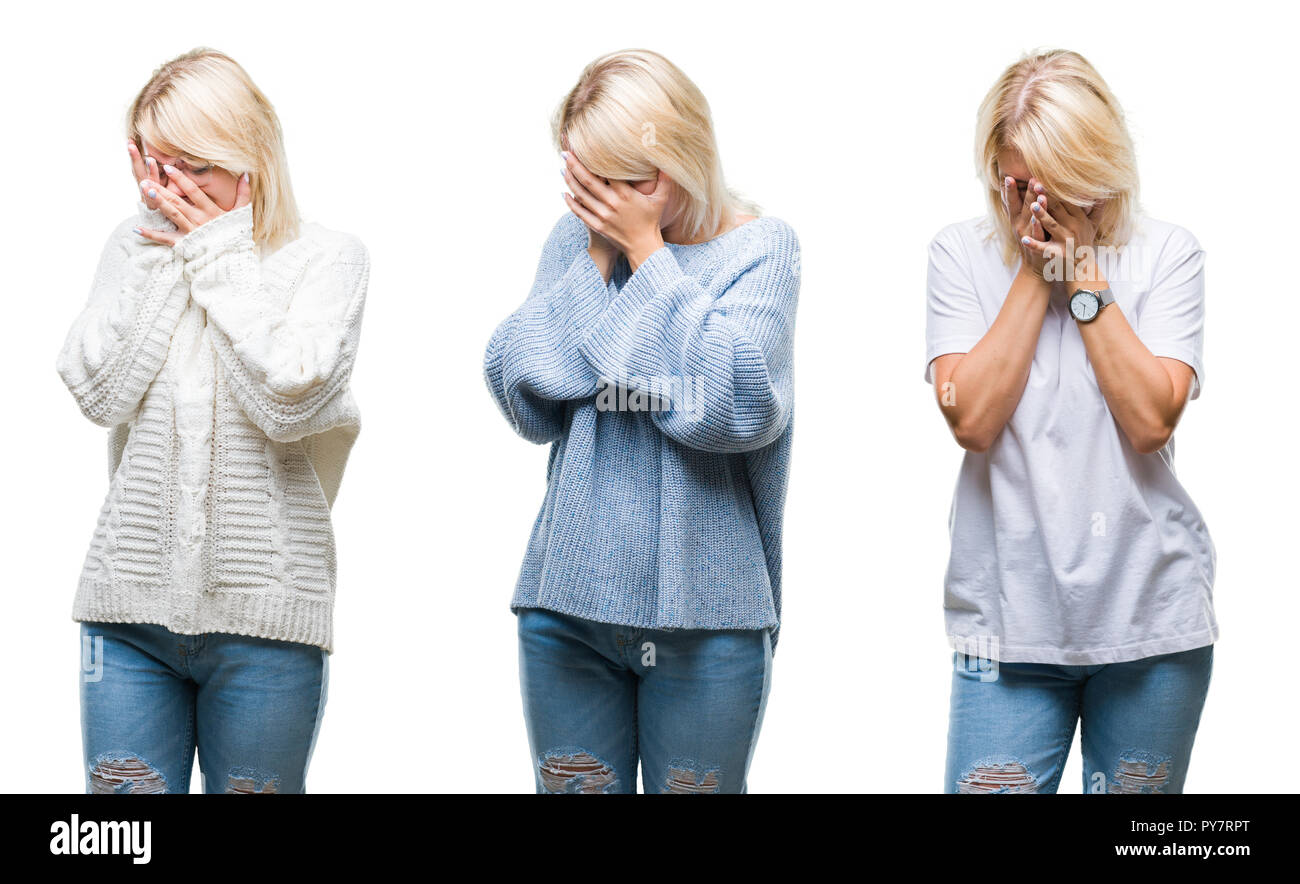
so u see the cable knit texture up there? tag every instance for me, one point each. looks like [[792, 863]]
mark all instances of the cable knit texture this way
[[224, 379], [667, 397]]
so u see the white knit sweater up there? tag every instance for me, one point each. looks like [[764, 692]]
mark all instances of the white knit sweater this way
[[224, 379]]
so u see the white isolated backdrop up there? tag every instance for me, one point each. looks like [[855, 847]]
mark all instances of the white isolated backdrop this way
[[424, 130]]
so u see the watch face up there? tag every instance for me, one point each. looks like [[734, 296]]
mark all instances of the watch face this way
[[1084, 305]]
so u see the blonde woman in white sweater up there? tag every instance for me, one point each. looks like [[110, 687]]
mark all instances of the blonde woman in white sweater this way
[[217, 345]]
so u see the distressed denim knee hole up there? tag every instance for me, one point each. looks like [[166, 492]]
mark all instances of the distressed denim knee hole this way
[[575, 772], [986, 778]]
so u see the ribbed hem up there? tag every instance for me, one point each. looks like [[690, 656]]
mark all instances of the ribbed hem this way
[[214, 237], [588, 605], [774, 628], [271, 614]]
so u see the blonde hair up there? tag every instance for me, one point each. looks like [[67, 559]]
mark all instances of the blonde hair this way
[[1059, 114], [202, 106], [633, 113]]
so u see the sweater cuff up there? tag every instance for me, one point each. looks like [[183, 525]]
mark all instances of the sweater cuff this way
[[614, 340], [152, 219], [226, 231], [584, 292]]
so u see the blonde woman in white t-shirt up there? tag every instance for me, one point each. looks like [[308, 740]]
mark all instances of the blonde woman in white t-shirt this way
[[1063, 341]]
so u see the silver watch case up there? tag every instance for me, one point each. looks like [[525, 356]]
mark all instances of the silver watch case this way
[[1086, 304]]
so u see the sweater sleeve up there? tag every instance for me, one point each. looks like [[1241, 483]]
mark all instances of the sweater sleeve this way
[[288, 354], [119, 341], [728, 359], [533, 367]]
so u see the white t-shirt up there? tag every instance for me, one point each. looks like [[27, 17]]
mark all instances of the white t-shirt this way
[[1068, 546]]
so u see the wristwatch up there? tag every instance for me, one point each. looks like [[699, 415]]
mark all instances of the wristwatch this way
[[1085, 304]]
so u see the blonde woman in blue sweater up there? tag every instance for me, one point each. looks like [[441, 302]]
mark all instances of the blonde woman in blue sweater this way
[[654, 354]]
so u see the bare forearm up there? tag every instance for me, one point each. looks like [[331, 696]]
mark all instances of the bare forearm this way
[[603, 259], [1138, 389], [984, 388]]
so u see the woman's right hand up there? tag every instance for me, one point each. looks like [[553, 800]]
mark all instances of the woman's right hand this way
[[1023, 223], [603, 252], [144, 169]]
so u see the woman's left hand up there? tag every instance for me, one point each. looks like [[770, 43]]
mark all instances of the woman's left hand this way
[[616, 210], [1073, 231], [191, 215]]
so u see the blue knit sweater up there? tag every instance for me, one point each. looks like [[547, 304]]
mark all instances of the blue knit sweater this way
[[667, 397]]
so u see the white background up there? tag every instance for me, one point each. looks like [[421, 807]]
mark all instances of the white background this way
[[426, 133]]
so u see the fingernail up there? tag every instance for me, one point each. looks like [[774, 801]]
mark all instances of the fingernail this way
[[244, 177], [136, 230], [1025, 240], [1035, 208], [170, 170], [564, 155], [1009, 182], [152, 194]]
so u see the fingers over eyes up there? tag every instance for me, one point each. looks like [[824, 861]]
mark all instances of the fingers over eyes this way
[[580, 193], [1011, 197], [596, 186], [172, 206], [189, 188], [1064, 209], [584, 215], [138, 167], [1049, 223]]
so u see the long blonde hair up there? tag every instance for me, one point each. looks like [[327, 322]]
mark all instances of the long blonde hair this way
[[1059, 114], [633, 113], [202, 106]]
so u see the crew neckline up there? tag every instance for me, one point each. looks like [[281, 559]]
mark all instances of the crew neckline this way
[[720, 236]]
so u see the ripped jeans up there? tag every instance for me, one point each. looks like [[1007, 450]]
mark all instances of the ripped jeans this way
[[252, 706], [1011, 725], [686, 703]]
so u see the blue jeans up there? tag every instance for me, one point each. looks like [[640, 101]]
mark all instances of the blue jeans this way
[[252, 706], [687, 703], [1010, 725]]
